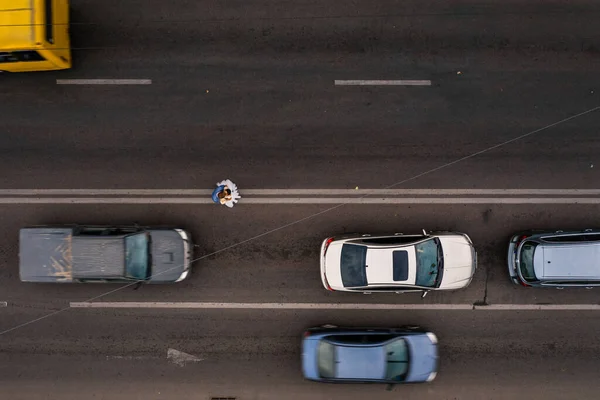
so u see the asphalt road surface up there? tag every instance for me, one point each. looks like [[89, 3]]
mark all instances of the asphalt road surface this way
[[247, 91], [256, 355]]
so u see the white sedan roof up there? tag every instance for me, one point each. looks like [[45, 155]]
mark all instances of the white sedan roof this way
[[380, 265]]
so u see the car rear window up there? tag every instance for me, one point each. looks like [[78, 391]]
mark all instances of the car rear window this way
[[353, 262], [400, 259], [526, 261]]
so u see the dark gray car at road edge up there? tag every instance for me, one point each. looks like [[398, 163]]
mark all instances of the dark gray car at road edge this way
[[103, 254], [555, 258]]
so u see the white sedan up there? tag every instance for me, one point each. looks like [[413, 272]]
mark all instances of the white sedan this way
[[398, 263]]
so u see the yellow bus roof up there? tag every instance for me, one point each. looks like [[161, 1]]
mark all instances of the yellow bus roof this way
[[17, 25]]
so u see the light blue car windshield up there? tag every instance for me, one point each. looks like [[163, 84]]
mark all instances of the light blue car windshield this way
[[397, 360], [136, 256], [326, 359]]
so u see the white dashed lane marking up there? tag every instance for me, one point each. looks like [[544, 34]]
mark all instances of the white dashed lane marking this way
[[361, 82]]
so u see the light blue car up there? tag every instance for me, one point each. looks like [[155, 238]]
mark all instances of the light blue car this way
[[352, 355]]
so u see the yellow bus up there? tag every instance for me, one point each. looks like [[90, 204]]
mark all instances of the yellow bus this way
[[34, 35]]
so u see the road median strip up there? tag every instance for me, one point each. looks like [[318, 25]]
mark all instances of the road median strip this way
[[303, 196]]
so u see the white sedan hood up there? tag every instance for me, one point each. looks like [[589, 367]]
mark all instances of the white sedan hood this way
[[459, 262], [331, 265]]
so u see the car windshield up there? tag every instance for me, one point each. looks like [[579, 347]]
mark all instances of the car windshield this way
[[353, 269], [430, 262], [526, 261], [396, 360], [137, 256], [326, 359]]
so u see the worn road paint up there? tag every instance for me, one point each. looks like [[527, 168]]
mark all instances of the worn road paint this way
[[180, 358], [104, 81]]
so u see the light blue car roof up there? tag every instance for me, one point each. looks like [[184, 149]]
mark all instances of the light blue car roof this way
[[366, 362], [360, 362]]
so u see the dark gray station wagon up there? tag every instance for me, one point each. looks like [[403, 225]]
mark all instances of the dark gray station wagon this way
[[555, 259], [109, 254]]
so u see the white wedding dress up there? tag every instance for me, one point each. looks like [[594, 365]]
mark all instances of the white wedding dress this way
[[235, 195]]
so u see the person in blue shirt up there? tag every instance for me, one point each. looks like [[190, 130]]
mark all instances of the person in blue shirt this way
[[226, 193], [221, 194]]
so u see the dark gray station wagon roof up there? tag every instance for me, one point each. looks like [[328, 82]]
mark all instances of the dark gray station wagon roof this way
[[55, 255], [103, 253], [98, 257], [45, 255]]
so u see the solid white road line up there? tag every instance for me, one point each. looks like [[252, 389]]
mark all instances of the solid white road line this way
[[302, 192], [271, 306], [108, 192], [104, 81], [421, 192], [425, 200], [361, 82], [336, 306], [541, 307], [303, 200]]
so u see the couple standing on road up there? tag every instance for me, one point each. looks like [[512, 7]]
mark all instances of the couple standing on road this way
[[226, 193]]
